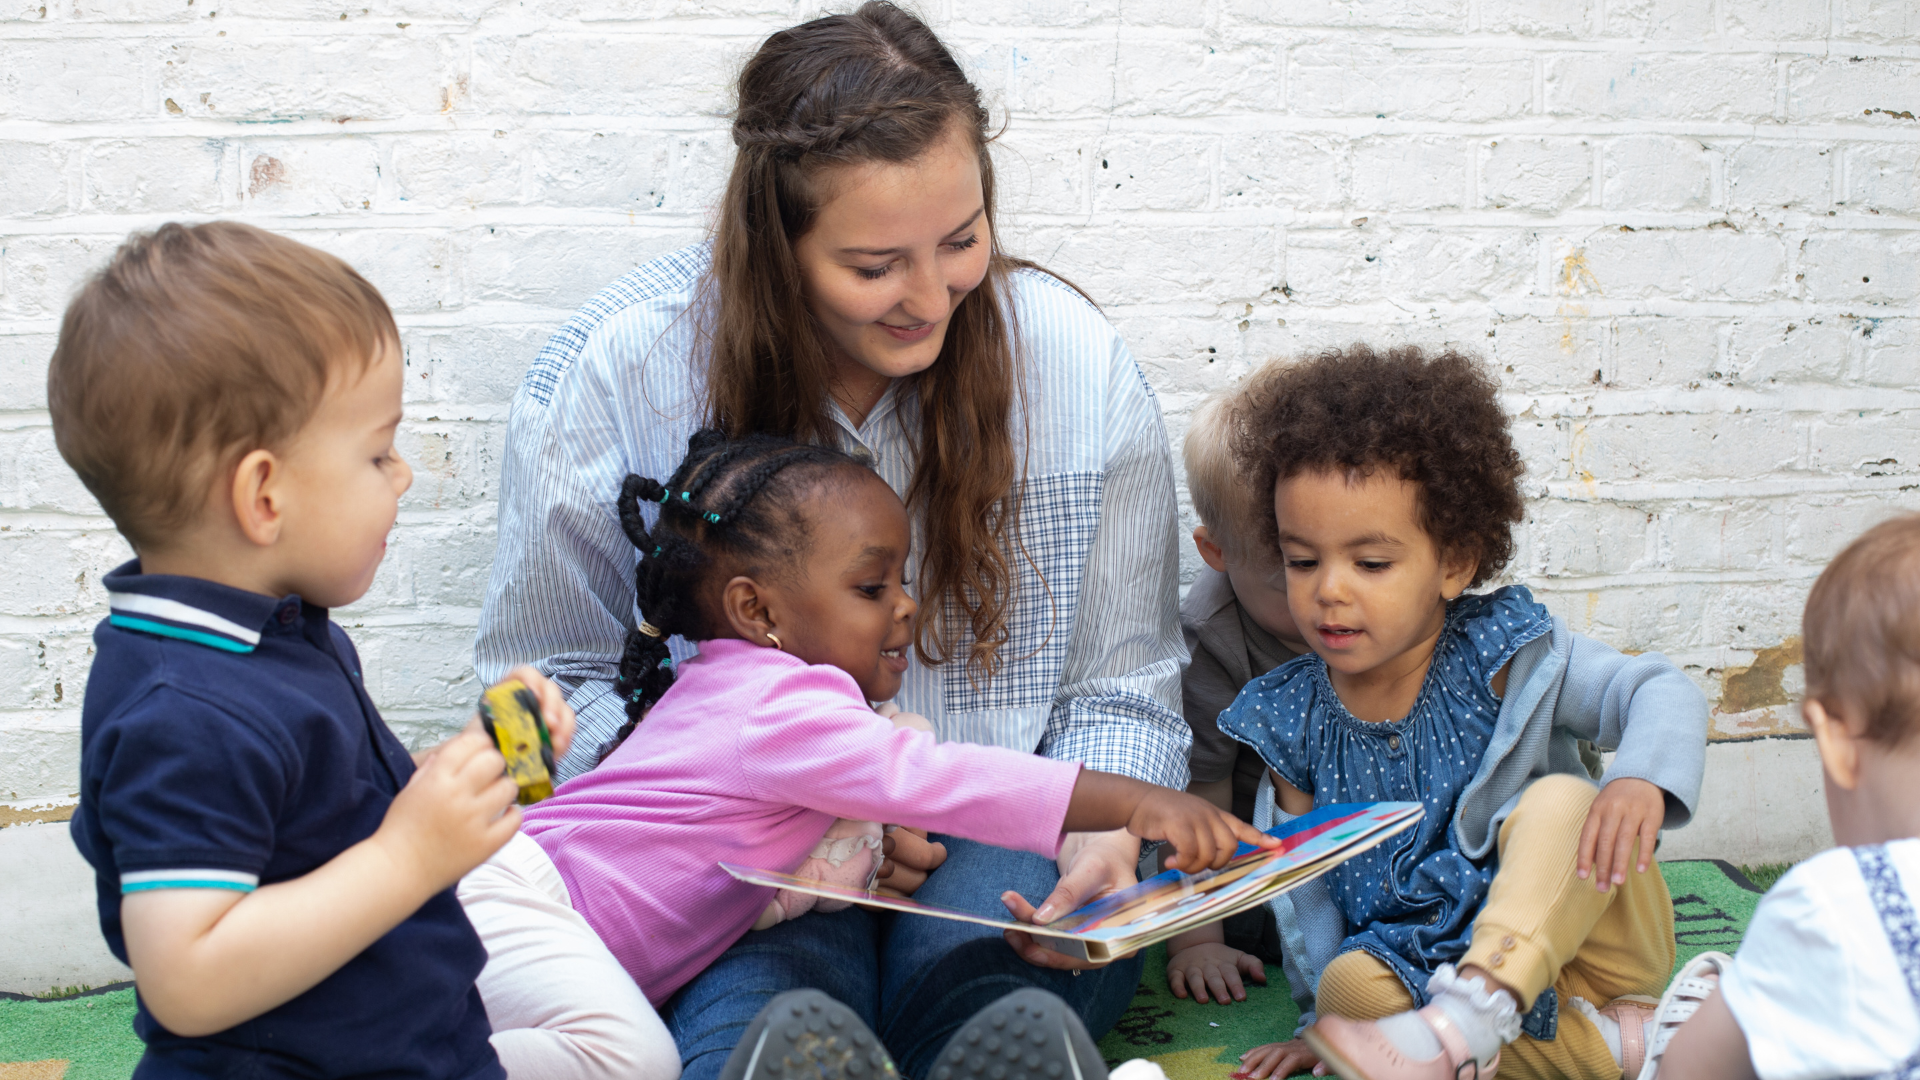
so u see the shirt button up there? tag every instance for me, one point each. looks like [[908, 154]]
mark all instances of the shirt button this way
[[1393, 742], [287, 615]]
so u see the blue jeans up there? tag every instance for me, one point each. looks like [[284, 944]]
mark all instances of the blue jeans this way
[[912, 978]]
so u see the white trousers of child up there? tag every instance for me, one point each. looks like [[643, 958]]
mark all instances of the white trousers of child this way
[[562, 1007]]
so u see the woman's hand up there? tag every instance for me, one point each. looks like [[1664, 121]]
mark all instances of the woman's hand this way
[[1212, 966], [1626, 809], [1091, 866], [1278, 1060], [910, 857]]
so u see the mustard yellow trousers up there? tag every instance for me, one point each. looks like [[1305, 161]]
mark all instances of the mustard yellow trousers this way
[[1542, 927]]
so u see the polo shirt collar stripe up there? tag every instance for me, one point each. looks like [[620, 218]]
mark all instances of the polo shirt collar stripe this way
[[171, 618]]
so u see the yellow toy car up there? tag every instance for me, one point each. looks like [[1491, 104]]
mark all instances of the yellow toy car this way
[[511, 715]]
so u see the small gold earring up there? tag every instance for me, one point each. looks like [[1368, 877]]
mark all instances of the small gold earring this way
[[773, 637]]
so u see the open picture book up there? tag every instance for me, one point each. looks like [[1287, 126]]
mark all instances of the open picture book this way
[[1171, 902]]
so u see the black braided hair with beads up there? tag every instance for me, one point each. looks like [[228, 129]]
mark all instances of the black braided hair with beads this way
[[733, 504]]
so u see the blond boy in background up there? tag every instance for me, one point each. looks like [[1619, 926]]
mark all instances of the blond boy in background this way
[[1237, 628]]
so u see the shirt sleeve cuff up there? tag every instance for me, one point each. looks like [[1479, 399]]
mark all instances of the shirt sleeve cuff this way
[[187, 878]]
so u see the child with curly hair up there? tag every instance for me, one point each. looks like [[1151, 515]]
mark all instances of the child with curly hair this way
[[1519, 923]]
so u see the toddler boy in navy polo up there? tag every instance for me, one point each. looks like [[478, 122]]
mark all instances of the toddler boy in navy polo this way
[[271, 861], [229, 742]]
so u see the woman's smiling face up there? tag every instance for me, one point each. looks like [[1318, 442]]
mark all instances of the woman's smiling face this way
[[892, 252]]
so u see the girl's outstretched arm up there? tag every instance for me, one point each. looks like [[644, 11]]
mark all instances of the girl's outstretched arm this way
[[1647, 709], [1202, 835]]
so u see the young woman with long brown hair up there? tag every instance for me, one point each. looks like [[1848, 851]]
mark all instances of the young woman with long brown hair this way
[[854, 294]]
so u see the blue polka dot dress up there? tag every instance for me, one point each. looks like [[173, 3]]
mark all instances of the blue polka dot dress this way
[[1411, 901]]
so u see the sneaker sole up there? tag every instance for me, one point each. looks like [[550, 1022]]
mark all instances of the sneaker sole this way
[[807, 1035], [1027, 1035]]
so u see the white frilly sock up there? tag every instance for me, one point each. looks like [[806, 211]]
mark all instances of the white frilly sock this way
[[1487, 1019]]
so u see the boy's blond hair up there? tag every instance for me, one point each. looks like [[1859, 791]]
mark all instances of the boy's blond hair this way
[[1224, 497], [195, 345], [1862, 632]]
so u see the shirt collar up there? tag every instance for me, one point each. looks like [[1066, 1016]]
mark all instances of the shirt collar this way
[[191, 609], [864, 434]]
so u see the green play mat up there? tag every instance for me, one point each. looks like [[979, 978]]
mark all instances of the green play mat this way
[[1712, 904]]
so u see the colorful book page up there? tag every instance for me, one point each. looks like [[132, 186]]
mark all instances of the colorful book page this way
[[1173, 896], [1165, 903]]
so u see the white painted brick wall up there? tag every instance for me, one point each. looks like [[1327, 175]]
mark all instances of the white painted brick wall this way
[[1684, 231]]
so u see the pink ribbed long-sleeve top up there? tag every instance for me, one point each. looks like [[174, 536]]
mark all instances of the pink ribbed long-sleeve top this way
[[748, 759]]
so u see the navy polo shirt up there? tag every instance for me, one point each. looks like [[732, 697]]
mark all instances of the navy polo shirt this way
[[227, 742]]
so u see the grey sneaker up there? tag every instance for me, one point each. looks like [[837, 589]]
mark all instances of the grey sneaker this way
[[806, 1035], [1027, 1035]]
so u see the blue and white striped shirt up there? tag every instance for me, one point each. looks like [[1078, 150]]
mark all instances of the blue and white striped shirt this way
[[1092, 670]]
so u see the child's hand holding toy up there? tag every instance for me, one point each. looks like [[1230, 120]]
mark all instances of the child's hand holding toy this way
[[554, 711]]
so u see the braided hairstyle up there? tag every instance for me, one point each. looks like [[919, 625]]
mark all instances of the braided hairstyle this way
[[732, 507], [873, 85]]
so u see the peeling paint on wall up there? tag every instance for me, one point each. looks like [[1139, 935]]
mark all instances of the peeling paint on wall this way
[[1762, 699], [1759, 684]]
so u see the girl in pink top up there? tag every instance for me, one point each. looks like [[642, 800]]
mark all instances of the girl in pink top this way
[[785, 562]]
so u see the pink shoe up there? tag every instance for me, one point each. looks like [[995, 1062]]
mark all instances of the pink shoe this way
[[1359, 1050], [1631, 1013]]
